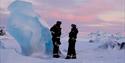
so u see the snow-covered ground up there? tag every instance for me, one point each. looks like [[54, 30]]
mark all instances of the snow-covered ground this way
[[86, 53]]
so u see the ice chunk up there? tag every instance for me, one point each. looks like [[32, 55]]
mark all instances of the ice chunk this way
[[25, 26]]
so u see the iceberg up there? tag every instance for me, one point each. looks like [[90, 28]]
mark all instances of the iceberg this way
[[28, 29]]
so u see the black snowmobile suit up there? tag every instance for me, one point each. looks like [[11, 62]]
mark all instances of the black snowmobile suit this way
[[2, 32], [56, 33], [72, 41]]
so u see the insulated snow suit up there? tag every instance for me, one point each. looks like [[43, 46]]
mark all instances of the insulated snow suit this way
[[2, 32], [56, 33], [72, 41]]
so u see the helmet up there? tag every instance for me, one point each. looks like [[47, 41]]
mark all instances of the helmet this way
[[58, 22], [73, 25]]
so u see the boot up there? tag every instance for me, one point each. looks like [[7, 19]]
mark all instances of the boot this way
[[68, 57], [56, 56], [74, 57]]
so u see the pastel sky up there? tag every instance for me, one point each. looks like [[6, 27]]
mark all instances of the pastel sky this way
[[89, 15]]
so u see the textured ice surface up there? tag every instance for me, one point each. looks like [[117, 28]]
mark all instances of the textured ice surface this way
[[25, 26]]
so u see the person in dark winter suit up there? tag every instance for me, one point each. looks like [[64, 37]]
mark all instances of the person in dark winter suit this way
[[2, 32], [56, 33], [72, 41], [122, 45]]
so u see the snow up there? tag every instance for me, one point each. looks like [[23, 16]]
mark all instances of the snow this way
[[106, 40], [101, 36], [29, 30], [86, 53], [8, 42]]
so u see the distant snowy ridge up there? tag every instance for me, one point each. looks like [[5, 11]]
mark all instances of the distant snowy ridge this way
[[106, 40]]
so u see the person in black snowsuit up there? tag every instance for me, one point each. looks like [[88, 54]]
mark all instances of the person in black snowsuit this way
[[2, 32], [56, 33], [122, 45], [72, 41]]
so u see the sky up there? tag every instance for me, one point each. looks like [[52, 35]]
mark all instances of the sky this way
[[88, 15]]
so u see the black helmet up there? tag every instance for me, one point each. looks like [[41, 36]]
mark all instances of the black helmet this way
[[58, 22], [73, 25]]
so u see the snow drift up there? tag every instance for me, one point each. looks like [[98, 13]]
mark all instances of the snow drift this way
[[8, 42], [28, 29], [107, 40]]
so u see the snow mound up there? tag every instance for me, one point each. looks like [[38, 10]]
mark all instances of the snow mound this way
[[28, 29], [8, 42], [107, 40], [11, 56]]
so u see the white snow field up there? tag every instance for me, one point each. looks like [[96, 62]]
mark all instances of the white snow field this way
[[86, 53]]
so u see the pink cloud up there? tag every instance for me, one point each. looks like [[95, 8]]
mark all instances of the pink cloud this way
[[58, 14], [86, 12], [81, 13]]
